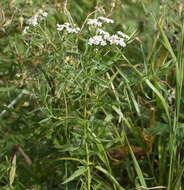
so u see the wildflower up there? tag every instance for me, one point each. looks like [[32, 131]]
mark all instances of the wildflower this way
[[44, 14], [25, 30], [105, 34], [37, 17], [34, 20], [94, 22], [66, 24], [72, 30], [59, 27], [106, 37], [121, 42], [123, 35], [97, 40], [115, 39], [106, 20], [40, 11], [68, 27], [103, 37]]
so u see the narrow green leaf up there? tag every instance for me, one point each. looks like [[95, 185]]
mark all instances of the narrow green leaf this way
[[159, 96], [13, 170], [76, 174], [113, 180], [136, 165], [3, 89], [166, 43]]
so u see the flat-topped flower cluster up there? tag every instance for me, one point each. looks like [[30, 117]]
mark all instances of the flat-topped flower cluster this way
[[102, 37]]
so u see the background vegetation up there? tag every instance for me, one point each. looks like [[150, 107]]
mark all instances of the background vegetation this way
[[75, 116]]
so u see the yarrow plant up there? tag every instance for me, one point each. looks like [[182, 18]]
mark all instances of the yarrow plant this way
[[103, 37], [79, 104]]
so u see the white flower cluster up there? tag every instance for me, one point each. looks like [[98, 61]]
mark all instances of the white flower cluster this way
[[123, 35], [106, 20], [97, 40], [94, 22], [103, 38], [105, 34], [68, 27], [25, 30], [36, 18], [99, 21]]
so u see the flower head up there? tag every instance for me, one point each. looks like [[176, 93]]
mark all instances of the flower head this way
[[105, 34], [104, 38], [97, 40], [122, 42], [106, 20], [25, 30], [59, 27], [68, 27], [115, 39], [94, 22], [123, 35], [44, 14], [34, 20]]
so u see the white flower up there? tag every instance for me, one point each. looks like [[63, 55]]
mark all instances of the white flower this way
[[123, 35], [78, 29], [105, 34], [37, 17], [97, 40], [104, 38], [67, 24], [44, 14], [115, 39], [25, 30], [68, 27], [122, 42], [94, 22], [59, 27], [106, 20], [40, 11], [71, 30], [34, 20]]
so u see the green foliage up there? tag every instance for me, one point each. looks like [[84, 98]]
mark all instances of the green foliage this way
[[80, 116]]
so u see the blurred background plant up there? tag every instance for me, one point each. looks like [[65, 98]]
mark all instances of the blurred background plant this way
[[80, 115]]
